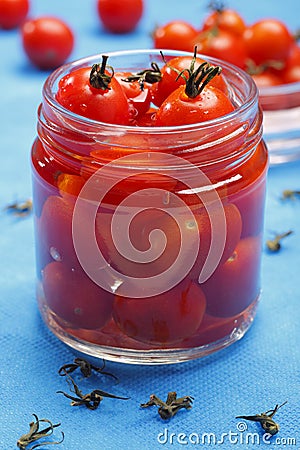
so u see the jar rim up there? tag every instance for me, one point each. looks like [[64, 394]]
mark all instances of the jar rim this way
[[49, 94]]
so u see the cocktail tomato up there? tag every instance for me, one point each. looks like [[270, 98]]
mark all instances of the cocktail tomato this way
[[223, 45], [139, 96], [163, 319], [176, 34], [47, 41], [94, 93], [268, 40], [235, 284], [170, 79], [225, 19], [120, 16], [74, 298], [13, 13], [180, 109]]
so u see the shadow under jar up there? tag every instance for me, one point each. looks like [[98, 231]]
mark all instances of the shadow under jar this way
[[148, 239]]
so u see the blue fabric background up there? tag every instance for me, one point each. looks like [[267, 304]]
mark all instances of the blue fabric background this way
[[249, 377]]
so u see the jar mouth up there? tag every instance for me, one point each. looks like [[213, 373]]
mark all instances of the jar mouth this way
[[244, 97]]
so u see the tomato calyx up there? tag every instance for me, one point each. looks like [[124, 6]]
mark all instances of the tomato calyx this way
[[216, 5], [257, 69], [199, 78], [151, 76], [99, 78]]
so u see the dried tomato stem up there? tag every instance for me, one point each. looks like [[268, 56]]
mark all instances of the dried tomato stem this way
[[199, 78], [151, 76], [99, 78]]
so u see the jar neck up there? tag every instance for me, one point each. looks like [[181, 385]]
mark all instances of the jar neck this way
[[223, 142]]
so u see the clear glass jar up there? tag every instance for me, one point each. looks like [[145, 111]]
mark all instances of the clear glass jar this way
[[281, 107], [148, 239]]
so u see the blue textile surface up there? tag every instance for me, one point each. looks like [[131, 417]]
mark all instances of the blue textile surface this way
[[247, 378]]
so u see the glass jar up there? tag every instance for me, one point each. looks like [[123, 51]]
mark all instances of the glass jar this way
[[148, 239]]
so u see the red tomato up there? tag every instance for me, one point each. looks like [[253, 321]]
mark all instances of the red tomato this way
[[140, 228], [108, 104], [291, 71], [213, 329], [47, 41], [148, 119], [176, 35], [163, 319], [222, 45], [180, 109], [268, 40], [13, 13], [225, 19], [120, 16], [55, 231], [233, 232], [236, 283], [74, 298], [70, 185], [170, 81], [267, 78], [139, 97]]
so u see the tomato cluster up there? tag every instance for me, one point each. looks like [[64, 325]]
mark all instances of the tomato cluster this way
[[48, 41], [266, 49], [184, 90]]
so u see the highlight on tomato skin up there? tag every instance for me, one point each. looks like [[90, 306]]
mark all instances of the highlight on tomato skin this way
[[163, 319], [74, 297]]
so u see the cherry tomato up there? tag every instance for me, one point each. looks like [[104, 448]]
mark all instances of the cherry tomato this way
[[233, 232], [180, 109], [74, 298], [70, 185], [139, 97], [108, 104], [139, 231], [267, 78], [170, 81], [13, 13], [55, 230], [291, 71], [47, 41], [268, 40], [222, 45], [176, 35], [225, 19], [235, 284], [120, 16], [163, 319], [147, 119], [213, 329]]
